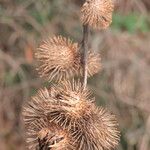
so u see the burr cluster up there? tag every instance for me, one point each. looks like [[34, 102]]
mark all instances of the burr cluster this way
[[64, 116]]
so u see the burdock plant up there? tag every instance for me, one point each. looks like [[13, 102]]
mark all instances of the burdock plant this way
[[64, 115]]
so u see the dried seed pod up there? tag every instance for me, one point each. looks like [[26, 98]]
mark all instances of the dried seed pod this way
[[64, 103], [100, 132], [59, 59], [35, 108], [74, 104], [70, 107], [42, 135], [92, 128], [97, 13], [40, 131], [109, 134]]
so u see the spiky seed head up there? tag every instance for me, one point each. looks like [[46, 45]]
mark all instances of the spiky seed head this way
[[102, 130], [39, 127], [58, 58], [99, 133], [64, 103], [71, 108], [92, 127], [35, 130], [74, 104], [35, 108], [94, 64], [66, 99], [97, 13], [48, 136]]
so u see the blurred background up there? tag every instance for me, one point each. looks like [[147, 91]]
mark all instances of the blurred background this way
[[123, 84]]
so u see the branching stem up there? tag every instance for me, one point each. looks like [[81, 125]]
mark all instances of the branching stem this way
[[85, 54]]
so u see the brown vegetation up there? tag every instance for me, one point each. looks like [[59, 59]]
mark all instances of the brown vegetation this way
[[123, 84]]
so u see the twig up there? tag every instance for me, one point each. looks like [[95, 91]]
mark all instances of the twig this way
[[85, 54]]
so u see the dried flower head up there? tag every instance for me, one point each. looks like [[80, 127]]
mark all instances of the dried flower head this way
[[64, 103], [91, 127], [71, 108], [41, 131], [101, 131], [73, 104], [42, 135], [35, 108], [59, 59], [97, 13]]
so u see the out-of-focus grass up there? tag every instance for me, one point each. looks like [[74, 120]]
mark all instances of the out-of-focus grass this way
[[131, 23], [10, 78]]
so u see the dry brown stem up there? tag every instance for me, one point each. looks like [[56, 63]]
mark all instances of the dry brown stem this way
[[85, 53]]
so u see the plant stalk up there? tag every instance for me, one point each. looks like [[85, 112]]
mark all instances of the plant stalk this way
[[85, 54]]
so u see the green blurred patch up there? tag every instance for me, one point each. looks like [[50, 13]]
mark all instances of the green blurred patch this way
[[41, 17], [131, 23], [10, 78], [44, 12]]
